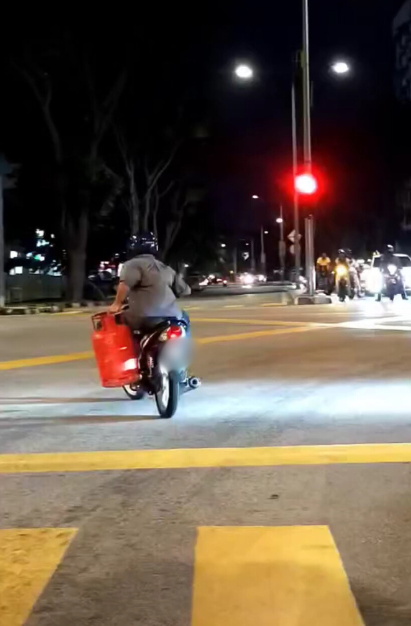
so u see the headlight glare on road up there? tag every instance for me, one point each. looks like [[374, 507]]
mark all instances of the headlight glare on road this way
[[374, 280]]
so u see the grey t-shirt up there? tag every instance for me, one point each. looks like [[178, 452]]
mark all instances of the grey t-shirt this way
[[153, 288]]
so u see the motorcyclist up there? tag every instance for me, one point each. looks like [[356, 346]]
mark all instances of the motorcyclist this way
[[323, 267], [388, 258], [324, 261], [341, 258], [150, 286]]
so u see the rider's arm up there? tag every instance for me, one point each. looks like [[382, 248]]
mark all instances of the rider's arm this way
[[129, 277], [122, 293]]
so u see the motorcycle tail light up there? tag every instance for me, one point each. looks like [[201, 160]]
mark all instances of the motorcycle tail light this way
[[174, 332]]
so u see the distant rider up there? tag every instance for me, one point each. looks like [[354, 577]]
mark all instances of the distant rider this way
[[324, 262], [323, 267], [388, 258]]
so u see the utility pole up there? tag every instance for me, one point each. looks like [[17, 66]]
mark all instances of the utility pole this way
[[235, 260], [297, 247], [262, 250], [309, 251], [252, 255], [281, 243]]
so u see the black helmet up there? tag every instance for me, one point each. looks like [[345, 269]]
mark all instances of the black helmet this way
[[389, 248], [341, 252], [144, 243]]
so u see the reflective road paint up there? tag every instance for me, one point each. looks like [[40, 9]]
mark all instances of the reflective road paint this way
[[204, 457], [287, 576], [28, 558]]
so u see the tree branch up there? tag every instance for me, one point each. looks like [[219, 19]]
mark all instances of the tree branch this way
[[44, 100]]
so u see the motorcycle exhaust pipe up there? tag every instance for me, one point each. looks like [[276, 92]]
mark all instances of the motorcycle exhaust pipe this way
[[194, 382]]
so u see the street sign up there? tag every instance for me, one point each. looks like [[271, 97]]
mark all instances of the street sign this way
[[245, 255], [291, 236]]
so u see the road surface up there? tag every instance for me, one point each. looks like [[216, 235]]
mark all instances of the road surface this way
[[279, 494]]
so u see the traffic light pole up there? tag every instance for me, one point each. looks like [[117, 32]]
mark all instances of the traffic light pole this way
[[309, 236], [297, 247]]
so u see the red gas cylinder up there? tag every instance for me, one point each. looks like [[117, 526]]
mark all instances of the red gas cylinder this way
[[115, 350]]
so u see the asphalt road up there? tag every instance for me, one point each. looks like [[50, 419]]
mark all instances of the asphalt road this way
[[275, 484]]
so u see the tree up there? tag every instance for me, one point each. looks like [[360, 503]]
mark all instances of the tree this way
[[76, 135]]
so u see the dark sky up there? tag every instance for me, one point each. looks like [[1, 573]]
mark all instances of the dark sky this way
[[192, 47]]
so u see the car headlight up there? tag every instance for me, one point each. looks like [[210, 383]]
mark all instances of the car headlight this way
[[341, 270], [406, 273], [248, 279]]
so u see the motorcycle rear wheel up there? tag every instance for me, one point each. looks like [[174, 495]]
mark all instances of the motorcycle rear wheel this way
[[134, 392], [168, 393]]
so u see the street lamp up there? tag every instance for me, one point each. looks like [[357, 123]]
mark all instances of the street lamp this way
[[255, 197], [340, 68], [244, 71]]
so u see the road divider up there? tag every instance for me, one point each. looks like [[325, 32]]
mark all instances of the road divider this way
[[204, 458]]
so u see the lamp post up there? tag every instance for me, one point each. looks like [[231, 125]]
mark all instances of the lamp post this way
[[309, 221]]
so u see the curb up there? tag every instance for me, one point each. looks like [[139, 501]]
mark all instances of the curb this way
[[317, 299]]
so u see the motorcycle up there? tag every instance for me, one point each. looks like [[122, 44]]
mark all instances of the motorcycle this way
[[392, 283], [343, 283], [162, 366], [153, 362]]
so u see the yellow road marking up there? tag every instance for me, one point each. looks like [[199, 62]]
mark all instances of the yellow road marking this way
[[81, 356], [254, 334], [45, 360], [252, 322], [234, 306], [205, 457], [272, 304], [265, 576], [28, 558]]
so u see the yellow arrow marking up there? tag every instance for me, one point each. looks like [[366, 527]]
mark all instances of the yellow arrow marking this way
[[285, 576], [28, 558]]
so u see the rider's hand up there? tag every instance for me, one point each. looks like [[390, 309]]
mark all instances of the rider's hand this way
[[115, 308]]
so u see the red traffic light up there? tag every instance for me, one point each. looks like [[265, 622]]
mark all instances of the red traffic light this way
[[306, 184]]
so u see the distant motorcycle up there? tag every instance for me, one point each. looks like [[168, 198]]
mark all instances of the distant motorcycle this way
[[343, 283], [392, 284]]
